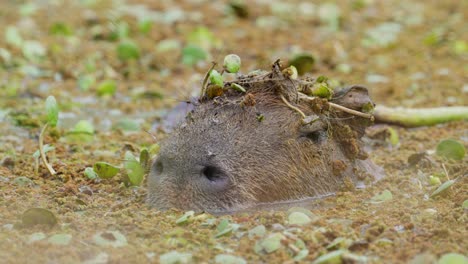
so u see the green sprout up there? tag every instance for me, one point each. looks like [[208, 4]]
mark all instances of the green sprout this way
[[216, 78], [128, 50]]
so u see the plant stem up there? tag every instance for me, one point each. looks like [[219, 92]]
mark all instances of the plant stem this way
[[205, 80], [41, 150], [351, 111], [292, 107], [420, 116], [339, 107]]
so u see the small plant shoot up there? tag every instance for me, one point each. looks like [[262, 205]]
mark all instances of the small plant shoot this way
[[52, 111]]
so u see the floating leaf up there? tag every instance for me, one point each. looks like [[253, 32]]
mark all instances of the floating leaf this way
[[28, 9], [435, 36], [135, 171], [349, 257], [303, 62], [110, 238], [382, 197], [127, 125], [120, 30], [258, 231], [82, 132], [298, 218], [52, 111], [442, 188], [384, 241], [330, 258], [453, 258], [22, 181], [339, 242], [33, 50], [184, 218], [423, 258], [222, 225], [301, 255], [330, 14], [382, 35], [451, 149], [105, 170], [229, 259], [216, 78], [100, 258], [13, 37], [83, 126], [175, 257], [60, 239], [224, 228], [145, 25], [434, 181], [38, 216], [305, 211], [271, 243], [61, 29], [192, 54], [85, 82], [108, 87], [90, 173], [46, 148], [128, 50], [167, 45], [344, 68], [203, 37], [460, 47], [23, 119], [36, 237], [232, 63], [237, 87], [6, 57]]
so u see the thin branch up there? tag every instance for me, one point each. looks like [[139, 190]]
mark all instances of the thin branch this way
[[292, 107], [351, 111], [205, 80], [446, 173], [41, 151], [153, 136], [339, 107]]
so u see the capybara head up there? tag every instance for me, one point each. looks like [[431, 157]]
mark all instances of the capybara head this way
[[239, 149]]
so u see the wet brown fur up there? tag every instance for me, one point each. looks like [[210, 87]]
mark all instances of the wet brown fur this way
[[265, 161]]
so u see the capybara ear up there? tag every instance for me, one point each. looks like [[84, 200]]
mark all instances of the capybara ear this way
[[355, 97]]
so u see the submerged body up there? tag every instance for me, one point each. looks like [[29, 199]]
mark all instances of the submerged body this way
[[242, 149]]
